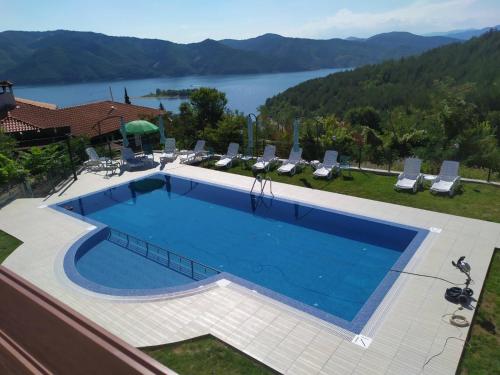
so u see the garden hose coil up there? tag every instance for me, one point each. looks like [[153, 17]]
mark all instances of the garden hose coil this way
[[459, 320]]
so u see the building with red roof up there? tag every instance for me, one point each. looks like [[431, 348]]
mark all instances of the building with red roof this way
[[32, 121]]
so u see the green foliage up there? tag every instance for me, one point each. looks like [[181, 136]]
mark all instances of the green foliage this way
[[208, 106], [50, 159], [7, 144], [206, 116], [10, 170], [404, 83], [364, 116], [229, 129]]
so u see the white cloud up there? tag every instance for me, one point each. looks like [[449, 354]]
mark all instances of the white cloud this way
[[419, 17]]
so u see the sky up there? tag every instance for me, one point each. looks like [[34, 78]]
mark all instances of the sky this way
[[186, 21]]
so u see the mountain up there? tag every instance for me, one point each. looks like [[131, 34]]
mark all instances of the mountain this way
[[68, 56], [465, 34], [312, 54], [355, 39], [408, 82], [71, 56]]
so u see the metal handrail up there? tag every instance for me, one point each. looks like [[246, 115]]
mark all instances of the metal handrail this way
[[188, 267], [263, 185], [270, 186]]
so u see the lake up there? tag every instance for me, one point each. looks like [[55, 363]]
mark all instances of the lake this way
[[244, 92]]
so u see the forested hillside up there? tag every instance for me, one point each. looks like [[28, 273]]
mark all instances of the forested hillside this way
[[411, 81], [70, 56]]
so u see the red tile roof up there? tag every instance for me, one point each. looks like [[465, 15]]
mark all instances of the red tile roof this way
[[83, 119], [13, 125]]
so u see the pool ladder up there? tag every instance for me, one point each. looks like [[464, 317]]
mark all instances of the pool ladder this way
[[263, 183]]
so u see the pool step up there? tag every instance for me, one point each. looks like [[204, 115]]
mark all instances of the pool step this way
[[188, 267]]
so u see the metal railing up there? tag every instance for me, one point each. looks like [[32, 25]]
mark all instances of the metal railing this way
[[263, 182], [188, 267]]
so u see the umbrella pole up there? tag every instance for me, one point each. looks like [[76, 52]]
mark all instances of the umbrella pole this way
[[109, 148]]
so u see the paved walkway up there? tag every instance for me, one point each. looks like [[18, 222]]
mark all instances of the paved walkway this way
[[408, 327]]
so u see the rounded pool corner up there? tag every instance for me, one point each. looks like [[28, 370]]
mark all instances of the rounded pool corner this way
[[78, 249]]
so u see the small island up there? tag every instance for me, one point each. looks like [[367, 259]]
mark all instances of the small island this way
[[172, 94]]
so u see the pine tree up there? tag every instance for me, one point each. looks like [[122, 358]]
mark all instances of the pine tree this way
[[127, 98]]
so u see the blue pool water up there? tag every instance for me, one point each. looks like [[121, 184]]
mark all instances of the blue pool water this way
[[328, 261], [128, 269]]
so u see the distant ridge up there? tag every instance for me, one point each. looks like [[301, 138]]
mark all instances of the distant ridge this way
[[70, 56], [465, 34], [310, 54]]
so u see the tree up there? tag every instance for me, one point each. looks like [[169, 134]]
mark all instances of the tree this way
[[9, 170], [229, 129], [7, 144], [208, 106], [364, 116], [478, 146], [126, 97]]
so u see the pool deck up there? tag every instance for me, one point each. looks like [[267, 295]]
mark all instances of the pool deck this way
[[407, 329]]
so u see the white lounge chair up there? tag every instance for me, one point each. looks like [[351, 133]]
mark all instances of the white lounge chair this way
[[130, 160], [328, 166], [410, 178], [169, 151], [264, 161], [227, 160], [197, 153], [95, 161], [448, 179], [290, 165]]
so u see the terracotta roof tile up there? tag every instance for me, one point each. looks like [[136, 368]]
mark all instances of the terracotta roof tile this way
[[13, 125], [82, 119]]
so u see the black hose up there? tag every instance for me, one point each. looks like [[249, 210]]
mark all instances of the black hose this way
[[430, 276]]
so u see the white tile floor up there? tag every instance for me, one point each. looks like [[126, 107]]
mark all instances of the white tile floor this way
[[407, 329]]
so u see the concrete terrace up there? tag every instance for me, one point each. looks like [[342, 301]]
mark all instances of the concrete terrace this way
[[407, 329]]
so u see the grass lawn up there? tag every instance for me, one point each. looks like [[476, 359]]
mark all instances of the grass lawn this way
[[7, 245], [482, 354], [205, 355], [477, 201]]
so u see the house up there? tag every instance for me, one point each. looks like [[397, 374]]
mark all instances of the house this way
[[37, 123]]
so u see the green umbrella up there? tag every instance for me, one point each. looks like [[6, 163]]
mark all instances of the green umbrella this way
[[140, 127]]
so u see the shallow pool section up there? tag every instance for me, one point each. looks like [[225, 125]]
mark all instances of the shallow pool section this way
[[334, 265]]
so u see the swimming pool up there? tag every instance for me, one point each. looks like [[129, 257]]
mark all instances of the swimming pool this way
[[331, 264]]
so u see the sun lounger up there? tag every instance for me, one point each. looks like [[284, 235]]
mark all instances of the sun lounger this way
[[264, 162], [148, 153], [95, 161], [130, 160], [290, 165], [169, 151], [328, 166], [196, 154], [448, 179], [410, 178], [227, 160]]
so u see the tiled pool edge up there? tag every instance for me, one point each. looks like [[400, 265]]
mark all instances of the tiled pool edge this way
[[355, 326]]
